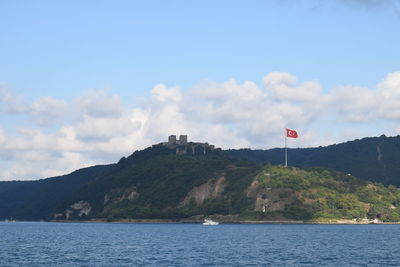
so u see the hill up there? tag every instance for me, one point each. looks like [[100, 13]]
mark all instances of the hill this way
[[375, 158], [150, 183], [193, 180], [37, 200], [156, 183]]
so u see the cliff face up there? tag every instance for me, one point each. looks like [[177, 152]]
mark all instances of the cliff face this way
[[267, 199], [78, 209], [120, 194], [213, 188]]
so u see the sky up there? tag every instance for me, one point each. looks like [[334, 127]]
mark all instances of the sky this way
[[88, 82]]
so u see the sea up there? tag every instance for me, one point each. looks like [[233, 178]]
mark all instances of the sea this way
[[118, 244]]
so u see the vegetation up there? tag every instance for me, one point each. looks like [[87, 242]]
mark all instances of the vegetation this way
[[323, 194], [163, 180], [157, 183], [37, 200], [373, 159]]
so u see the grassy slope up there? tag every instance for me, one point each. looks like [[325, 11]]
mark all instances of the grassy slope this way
[[321, 194]]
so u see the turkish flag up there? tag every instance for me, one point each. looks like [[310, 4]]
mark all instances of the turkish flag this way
[[291, 133]]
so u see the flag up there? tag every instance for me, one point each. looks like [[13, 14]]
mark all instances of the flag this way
[[291, 133]]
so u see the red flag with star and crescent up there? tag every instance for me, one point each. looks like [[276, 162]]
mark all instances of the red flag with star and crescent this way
[[291, 133]]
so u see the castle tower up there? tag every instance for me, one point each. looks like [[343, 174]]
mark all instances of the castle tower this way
[[172, 139], [183, 139]]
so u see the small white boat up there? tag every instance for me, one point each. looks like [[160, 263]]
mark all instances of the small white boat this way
[[209, 222]]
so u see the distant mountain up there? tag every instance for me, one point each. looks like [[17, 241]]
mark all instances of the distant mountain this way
[[374, 158]]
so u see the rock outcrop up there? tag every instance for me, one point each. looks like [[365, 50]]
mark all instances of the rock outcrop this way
[[78, 209], [213, 188], [268, 199], [120, 194]]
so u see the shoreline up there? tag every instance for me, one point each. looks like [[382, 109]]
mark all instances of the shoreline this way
[[166, 221]]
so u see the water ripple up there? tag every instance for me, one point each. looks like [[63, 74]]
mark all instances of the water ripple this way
[[100, 244]]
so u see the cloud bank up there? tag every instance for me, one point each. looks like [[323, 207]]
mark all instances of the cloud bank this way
[[50, 136]]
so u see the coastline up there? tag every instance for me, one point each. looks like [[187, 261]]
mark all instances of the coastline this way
[[168, 221]]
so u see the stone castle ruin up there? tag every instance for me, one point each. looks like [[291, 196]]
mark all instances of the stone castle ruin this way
[[182, 140], [182, 146]]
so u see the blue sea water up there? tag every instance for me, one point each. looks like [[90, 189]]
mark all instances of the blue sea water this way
[[106, 244]]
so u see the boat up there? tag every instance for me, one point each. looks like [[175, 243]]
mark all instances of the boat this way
[[209, 222]]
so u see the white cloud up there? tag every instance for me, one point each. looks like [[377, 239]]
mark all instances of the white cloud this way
[[360, 104], [389, 96], [96, 128], [2, 136], [44, 111], [96, 103], [47, 110], [11, 103], [34, 165], [284, 86], [255, 113], [161, 93], [356, 104]]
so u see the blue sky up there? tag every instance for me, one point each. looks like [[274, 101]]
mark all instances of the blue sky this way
[[61, 48], [69, 69]]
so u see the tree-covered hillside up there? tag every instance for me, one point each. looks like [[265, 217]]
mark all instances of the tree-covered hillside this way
[[158, 184], [156, 180], [164, 182], [374, 159], [322, 194], [37, 200]]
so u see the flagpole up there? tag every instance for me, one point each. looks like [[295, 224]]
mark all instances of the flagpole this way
[[285, 149]]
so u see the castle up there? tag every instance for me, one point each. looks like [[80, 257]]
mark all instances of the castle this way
[[182, 140], [182, 146]]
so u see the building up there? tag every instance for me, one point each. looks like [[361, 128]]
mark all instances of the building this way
[[182, 140], [182, 146], [172, 139]]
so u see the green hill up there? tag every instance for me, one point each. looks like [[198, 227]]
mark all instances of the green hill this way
[[158, 184], [188, 182], [37, 200], [374, 158], [320, 194], [150, 184]]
